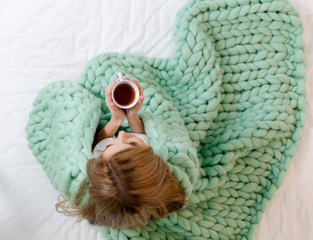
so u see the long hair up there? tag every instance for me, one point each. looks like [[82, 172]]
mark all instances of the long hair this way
[[129, 189]]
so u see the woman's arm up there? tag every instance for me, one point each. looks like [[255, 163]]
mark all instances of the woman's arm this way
[[108, 131], [117, 118], [135, 124]]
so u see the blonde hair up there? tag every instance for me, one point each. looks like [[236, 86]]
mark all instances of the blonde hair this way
[[129, 189]]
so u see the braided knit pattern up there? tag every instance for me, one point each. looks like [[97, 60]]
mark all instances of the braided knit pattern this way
[[225, 113]]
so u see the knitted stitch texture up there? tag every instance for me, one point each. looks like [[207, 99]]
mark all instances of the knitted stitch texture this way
[[225, 113]]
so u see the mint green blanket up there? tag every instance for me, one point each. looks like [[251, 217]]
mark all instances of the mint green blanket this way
[[225, 113]]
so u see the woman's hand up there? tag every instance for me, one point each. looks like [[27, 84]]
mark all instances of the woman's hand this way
[[135, 109], [118, 114]]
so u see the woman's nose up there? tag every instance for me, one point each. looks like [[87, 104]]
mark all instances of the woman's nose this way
[[122, 136]]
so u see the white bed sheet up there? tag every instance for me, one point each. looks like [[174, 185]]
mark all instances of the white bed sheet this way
[[45, 41]]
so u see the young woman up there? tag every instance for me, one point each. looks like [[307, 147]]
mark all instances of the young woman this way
[[129, 185]]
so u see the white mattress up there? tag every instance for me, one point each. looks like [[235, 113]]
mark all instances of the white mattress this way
[[44, 41]]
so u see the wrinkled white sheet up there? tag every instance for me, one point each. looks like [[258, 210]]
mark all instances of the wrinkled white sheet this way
[[44, 41]]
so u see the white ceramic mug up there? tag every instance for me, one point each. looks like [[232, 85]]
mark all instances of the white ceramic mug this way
[[133, 87]]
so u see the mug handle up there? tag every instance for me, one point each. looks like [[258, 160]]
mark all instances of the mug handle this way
[[119, 76]]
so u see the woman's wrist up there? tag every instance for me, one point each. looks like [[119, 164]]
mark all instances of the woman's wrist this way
[[117, 120], [135, 123], [131, 115]]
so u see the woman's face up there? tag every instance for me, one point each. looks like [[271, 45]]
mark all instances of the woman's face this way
[[123, 141]]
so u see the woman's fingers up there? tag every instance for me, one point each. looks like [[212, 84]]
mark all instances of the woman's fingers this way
[[108, 91]]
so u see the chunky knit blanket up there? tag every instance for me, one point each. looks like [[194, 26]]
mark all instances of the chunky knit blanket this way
[[225, 113]]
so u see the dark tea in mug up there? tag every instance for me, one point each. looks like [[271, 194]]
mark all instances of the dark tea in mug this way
[[124, 94]]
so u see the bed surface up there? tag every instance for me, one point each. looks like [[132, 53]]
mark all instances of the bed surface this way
[[45, 41]]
